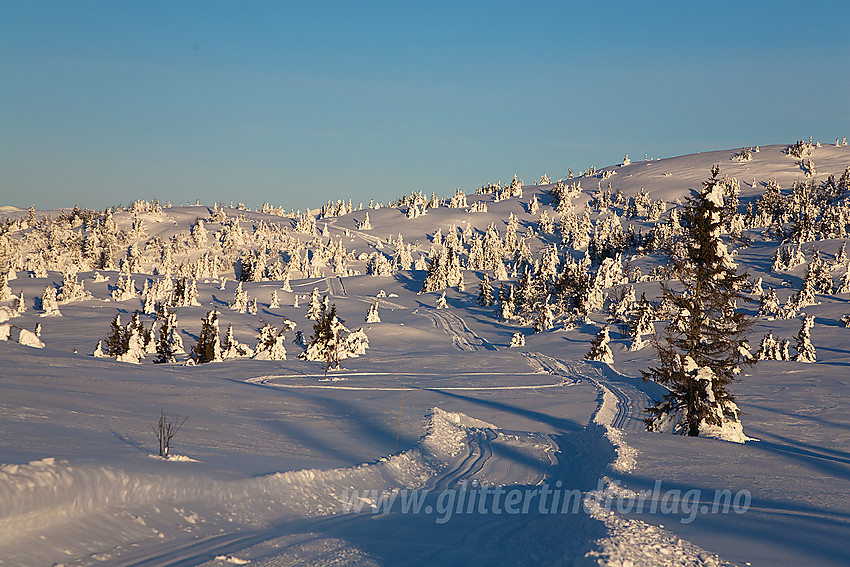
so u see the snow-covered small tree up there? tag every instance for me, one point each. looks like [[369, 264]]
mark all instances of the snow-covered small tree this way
[[506, 297], [135, 352], [545, 224], [441, 301], [771, 349], [270, 344], [365, 224], [117, 339], [819, 274], [545, 319], [641, 323], [599, 349], [240, 299], [372, 316], [315, 309], [805, 348], [124, 289], [48, 302], [170, 344], [844, 286], [622, 306], [769, 304], [517, 340], [208, 347], [485, 292], [5, 290], [326, 344], [20, 303], [72, 289], [379, 265], [199, 233], [185, 293], [274, 303]]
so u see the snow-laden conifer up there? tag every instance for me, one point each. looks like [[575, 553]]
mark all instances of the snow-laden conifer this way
[[208, 347], [599, 348], [48, 302], [703, 346], [641, 323], [270, 344], [170, 343], [372, 315], [314, 311], [517, 340], [769, 304], [135, 352], [5, 290], [332, 342], [20, 303], [805, 349], [485, 292], [72, 289], [441, 301]]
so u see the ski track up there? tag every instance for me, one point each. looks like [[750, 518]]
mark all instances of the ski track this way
[[630, 401], [268, 381], [455, 327]]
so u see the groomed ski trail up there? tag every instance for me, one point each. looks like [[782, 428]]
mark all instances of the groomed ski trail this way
[[455, 327]]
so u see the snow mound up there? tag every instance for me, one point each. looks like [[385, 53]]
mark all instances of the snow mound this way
[[50, 493], [633, 543]]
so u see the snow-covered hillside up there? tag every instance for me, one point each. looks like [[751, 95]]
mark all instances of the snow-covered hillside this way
[[457, 416]]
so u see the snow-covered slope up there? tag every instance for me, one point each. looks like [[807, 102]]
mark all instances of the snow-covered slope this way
[[275, 458]]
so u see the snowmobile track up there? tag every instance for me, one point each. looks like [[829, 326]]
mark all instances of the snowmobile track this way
[[462, 337]]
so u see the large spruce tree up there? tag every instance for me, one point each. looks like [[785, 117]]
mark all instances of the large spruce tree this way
[[703, 345]]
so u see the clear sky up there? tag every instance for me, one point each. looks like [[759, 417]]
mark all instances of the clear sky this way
[[294, 103]]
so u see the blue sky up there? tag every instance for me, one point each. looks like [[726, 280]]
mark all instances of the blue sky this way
[[294, 103]]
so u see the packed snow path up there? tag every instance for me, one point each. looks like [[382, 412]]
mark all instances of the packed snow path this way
[[622, 399], [455, 327]]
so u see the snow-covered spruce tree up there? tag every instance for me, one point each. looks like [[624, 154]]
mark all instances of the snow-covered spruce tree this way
[[769, 304], [208, 347], [20, 304], [170, 344], [124, 289], [372, 316], [599, 349], [5, 290], [274, 303], [270, 344], [641, 323], [545, 319], [517, 340], [135, 352], [117, 339], [332, 342], [805, 348], [315, 309], [703, 345], [240, 299], [48, 302], [771, 349], [485, 292], [441, 302]]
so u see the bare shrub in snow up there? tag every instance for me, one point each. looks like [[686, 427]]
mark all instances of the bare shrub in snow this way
[[165, 429]]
